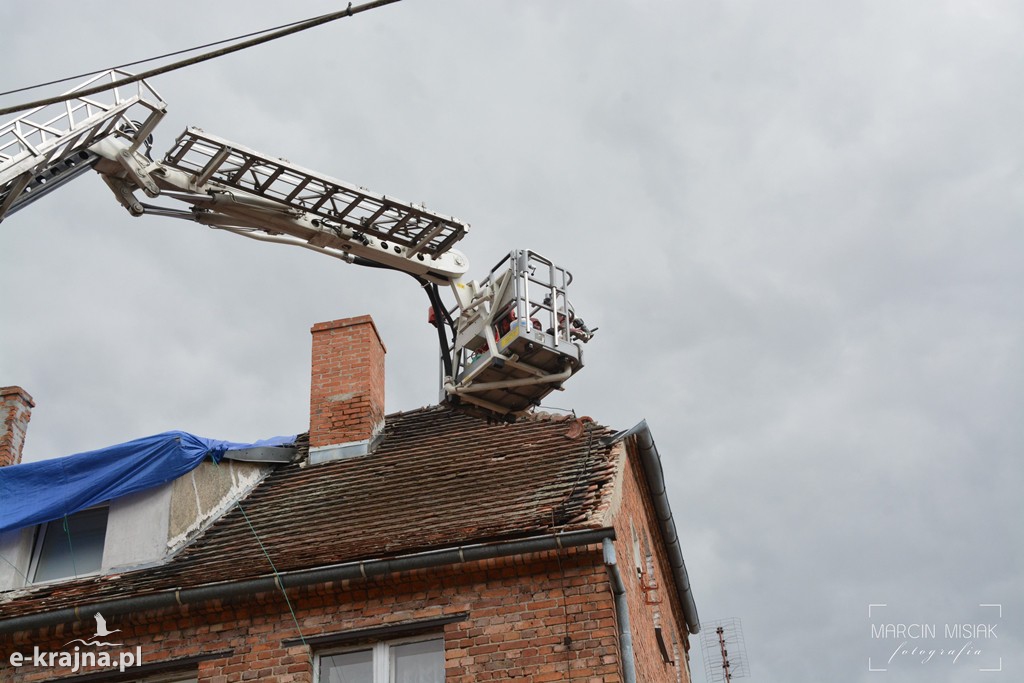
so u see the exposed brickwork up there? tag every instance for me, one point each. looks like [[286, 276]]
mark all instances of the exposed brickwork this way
[[520, 611], [635, 506], [346, 398], [17, 411]]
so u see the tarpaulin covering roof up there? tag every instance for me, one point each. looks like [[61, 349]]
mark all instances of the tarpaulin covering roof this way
[[38, 492]]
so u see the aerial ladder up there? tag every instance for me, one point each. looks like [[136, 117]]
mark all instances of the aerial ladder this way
[[508, 340]]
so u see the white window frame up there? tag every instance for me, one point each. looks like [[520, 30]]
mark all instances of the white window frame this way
[[637, 557], [381, 655], [40, 537]]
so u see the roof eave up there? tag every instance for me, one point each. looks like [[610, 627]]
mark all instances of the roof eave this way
[[350, 570]]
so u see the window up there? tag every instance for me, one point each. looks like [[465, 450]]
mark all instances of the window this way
[[69, 550], [404, 661], [637, 560]]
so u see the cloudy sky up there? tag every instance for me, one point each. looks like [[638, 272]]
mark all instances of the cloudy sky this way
[[797, 224]]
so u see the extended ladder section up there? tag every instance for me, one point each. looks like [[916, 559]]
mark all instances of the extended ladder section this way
[[404, 232], [48, 146], [518, 337]]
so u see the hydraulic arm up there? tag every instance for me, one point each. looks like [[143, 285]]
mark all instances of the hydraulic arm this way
[[508, 340]]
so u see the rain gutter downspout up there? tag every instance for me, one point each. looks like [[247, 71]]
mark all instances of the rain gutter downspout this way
[[622, 612], [306, 577], [651, 462]]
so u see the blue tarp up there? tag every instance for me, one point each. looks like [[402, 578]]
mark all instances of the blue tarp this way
[[38, 492]]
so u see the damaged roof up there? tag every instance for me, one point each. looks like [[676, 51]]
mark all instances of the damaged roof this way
[[437, 479]]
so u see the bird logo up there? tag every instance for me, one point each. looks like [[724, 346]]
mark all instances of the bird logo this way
[[101, 627], [101, 632]]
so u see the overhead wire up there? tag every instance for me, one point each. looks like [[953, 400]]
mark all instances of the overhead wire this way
[[149, 59], [206, 56]]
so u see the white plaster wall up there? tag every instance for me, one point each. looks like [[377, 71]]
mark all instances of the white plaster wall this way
[[137, 529]]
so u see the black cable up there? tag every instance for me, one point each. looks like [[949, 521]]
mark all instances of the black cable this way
[[439, 310], [584, 467], [150, 59], [295, 28], [447, 317], [435, 301], [566, 638]]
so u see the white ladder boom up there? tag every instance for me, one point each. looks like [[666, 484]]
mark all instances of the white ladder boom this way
[[48, 146], [406, 229]]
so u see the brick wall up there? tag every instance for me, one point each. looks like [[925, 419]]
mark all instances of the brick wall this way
[[346, 398], [15, 410], [635, 512], [520, 611]]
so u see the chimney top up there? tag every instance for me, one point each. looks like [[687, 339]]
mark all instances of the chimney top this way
[[346, 398], [16, 409]]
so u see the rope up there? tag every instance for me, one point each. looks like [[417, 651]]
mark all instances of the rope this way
[[67, 530], [277, 575]]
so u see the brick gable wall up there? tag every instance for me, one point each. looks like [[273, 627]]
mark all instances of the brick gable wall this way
[[635, 511]]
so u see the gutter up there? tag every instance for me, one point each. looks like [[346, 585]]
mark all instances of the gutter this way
[[651, 462], [306, 577], [622, 612]]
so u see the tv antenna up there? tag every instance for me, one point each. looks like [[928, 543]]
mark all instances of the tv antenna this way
[[725, 652]]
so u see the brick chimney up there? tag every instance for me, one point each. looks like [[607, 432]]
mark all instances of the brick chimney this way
[[346, 397], [17, 411]]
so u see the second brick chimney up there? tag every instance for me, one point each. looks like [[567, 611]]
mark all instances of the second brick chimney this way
[[16, 411], [346, 398]]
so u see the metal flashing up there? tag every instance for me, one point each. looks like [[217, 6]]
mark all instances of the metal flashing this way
[[272, 454], [343, 451]]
